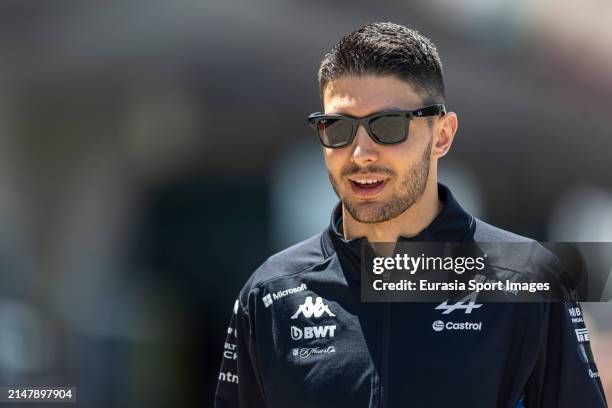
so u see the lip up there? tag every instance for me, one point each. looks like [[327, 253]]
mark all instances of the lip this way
[[367, 191], [358, 176]]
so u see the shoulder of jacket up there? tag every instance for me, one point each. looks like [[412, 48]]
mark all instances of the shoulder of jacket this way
[[523, 255], [289, 262], [484, 232]]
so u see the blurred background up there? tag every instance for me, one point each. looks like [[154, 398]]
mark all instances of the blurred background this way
[[153, 154]]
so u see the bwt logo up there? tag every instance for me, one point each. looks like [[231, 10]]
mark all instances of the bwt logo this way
[[313, 332], [309, 309], [438, 325]]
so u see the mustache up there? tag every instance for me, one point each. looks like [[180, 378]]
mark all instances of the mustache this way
[[355, 169]]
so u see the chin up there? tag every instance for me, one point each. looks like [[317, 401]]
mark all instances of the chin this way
[[366, 212]]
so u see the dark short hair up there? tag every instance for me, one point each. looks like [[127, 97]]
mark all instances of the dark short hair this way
[[387, 49]]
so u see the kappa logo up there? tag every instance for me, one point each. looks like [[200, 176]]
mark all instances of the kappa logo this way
[[461, 305], [310, 309]]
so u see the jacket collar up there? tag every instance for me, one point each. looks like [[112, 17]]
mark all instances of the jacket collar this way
[[453, 224]]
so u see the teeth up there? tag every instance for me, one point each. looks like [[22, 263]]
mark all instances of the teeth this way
[[367, 181]]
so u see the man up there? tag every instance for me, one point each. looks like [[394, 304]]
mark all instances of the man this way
[[300, 335]]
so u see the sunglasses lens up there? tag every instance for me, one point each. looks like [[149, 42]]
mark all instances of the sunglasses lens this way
[[335, 132], [389, 128]]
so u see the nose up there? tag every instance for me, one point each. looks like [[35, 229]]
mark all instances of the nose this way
[[364, 149]]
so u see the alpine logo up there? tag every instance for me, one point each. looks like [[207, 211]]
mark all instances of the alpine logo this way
[[316, 309], [313, 332], [271, 297], [458, 306]]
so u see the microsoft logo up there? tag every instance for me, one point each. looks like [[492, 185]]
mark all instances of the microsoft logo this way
[[271, 297], [267, 300]]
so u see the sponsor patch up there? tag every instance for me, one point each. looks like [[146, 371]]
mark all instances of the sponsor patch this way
[[229, 377], [467, 307], [310, 309], [305, 352], [271, 297], [312, 332], [439, 326], [582, 335]]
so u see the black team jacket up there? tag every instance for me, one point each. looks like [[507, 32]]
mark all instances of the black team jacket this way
[[299, 336]]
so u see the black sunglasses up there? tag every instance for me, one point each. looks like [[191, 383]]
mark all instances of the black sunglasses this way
[[387, 127]]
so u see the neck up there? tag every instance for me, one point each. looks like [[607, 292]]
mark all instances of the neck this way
[[408, 224]]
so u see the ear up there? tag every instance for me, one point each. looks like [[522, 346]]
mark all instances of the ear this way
[[445, 131]]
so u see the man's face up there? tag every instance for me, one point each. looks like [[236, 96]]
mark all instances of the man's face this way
[[400, 171]]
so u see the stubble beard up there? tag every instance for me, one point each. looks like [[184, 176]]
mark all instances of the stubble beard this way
[[413, 184]]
